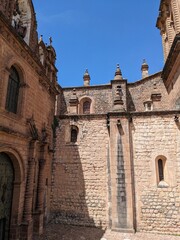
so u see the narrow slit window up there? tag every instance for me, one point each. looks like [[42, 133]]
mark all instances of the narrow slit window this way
[[161, 170], [74, 134]]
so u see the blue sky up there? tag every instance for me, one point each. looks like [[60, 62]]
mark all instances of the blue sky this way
[[98, 34]]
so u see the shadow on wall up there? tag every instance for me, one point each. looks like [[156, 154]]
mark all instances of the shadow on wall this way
[[61, 104], [67, 232], [69, 200], [130, 103], [121, 186]]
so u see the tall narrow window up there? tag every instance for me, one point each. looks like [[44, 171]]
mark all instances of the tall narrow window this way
[[86, 107], [74, 134], [13, 91], [160, 170]]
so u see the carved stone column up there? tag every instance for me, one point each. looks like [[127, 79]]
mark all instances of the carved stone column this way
[[41, 186], [27, 225], [39, 214]]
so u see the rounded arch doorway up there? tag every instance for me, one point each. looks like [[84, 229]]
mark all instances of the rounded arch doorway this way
[[6, 194]]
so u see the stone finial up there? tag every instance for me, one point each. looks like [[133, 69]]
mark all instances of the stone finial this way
[[86, 78], [41, 39], [144, 69], [50, 41], [118, 73]]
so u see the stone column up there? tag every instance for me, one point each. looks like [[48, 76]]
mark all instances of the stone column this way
[[27, 225], [122, 214], [39, 214]]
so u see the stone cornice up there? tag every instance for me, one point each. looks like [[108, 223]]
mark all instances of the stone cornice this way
[[103, 86], [119, 114], [24, 51]]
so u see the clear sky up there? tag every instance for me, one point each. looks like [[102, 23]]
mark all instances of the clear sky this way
[[98, 34]]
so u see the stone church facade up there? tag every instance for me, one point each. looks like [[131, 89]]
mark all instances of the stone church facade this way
[[27, 99], [111, 155]]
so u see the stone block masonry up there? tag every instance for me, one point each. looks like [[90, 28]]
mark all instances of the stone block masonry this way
[[157, 203], [79, 184]]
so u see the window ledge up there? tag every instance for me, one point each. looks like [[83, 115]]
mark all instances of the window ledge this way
[[71, 144], [11, 115], [163, 184]]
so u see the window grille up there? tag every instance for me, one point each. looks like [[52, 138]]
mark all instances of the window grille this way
[[13, 91]]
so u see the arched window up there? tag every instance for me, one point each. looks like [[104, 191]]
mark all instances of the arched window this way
[[13, 91], [86, 107], [161, 170], [74, 134]]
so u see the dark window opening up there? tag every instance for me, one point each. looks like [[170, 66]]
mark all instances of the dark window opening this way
[[86, 107], [160, 170], [74, 134], [13, 91], [2, 228]]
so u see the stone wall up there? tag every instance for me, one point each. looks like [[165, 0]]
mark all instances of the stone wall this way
[[141, 91], [31, 157], [134, 96], [157, 205], [79, 185], [101, 96]]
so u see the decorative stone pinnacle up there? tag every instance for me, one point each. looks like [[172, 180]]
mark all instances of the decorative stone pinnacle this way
[[86, 78], [118, 73], [144, 69], [144, 64]]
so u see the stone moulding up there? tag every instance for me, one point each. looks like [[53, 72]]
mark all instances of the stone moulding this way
[[13, 132], [120, 114]]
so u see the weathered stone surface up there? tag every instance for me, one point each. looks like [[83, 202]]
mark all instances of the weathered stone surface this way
[[79, 174]]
